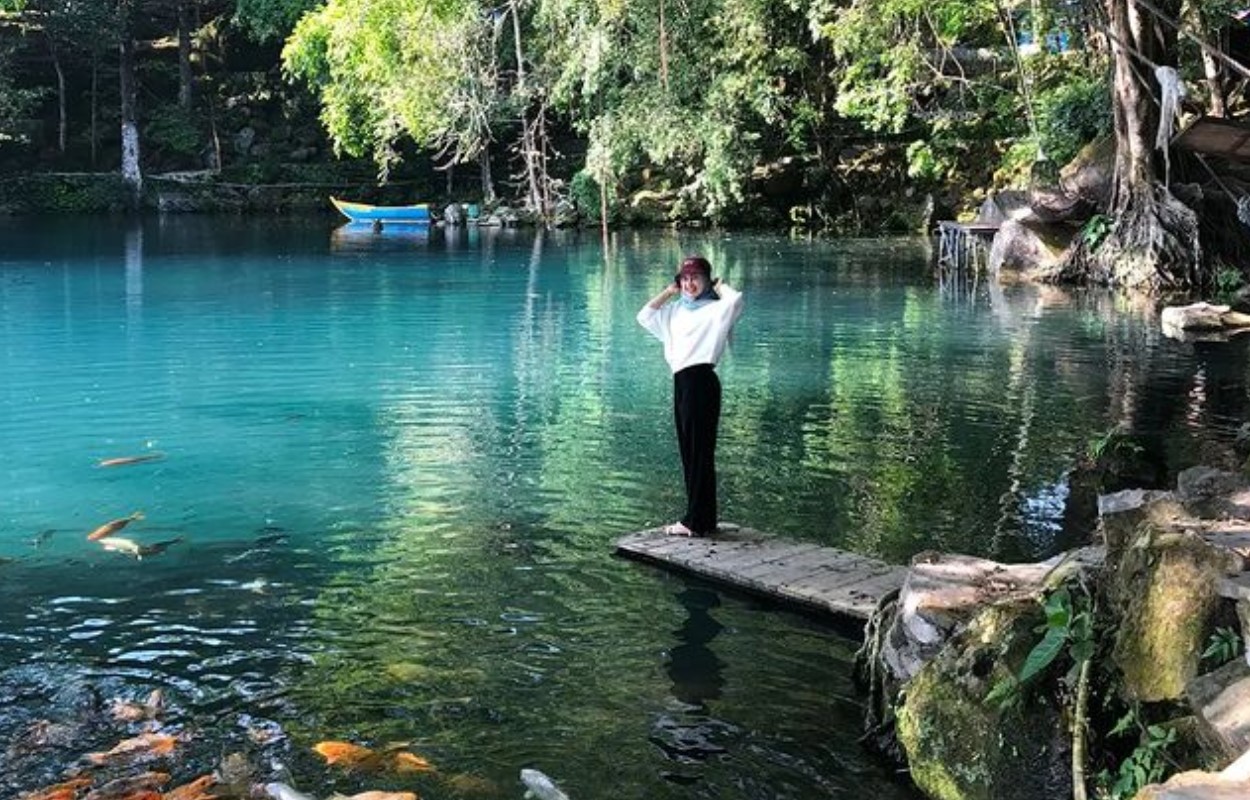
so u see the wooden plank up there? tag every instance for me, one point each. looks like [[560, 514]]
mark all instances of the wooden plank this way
[[821, 578]]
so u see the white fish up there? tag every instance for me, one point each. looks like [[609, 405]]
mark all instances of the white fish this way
[[121, 544], [539, 785], [130, 547], [280, 791]]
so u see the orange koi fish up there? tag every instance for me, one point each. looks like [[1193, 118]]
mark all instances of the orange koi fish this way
[[138, 748], [353, 756], [67, 790], [376, 795], [195, 790], [404, 761], [113, 526], [348, 755], [126, 461]]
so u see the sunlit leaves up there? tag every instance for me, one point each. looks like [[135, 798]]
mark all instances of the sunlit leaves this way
[[384, 69]]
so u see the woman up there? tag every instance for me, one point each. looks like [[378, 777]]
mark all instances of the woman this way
[[694, 331]]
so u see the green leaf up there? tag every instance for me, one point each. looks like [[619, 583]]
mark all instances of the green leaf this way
[[1043, 653]]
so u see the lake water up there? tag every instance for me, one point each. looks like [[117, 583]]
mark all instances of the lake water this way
[[389, 470]]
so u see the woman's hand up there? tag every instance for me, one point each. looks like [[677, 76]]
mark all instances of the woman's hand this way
[[664, 296]]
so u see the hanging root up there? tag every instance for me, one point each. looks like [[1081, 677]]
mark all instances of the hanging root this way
[[1153, 246], [1079, 724], [871, 672]]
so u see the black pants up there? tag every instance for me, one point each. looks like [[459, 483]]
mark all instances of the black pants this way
[[696, 412]]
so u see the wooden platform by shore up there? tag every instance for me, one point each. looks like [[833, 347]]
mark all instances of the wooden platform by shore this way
[[817, 578]]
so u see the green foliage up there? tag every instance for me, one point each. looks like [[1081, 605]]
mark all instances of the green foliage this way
[[1224, 645], [174, 129], [1228, 281], [1146, 764], [708, 95], [267, 20], [384, 69], [1069, 627], [71, 194], [584, 194], [16, 103], [1096, 230], [1114, 443], [923, 163], [1073, 113]]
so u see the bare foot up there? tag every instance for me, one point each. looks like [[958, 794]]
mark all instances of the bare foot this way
[[677, 529]]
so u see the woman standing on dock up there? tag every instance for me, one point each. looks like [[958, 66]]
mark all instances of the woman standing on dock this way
[[694, 331]]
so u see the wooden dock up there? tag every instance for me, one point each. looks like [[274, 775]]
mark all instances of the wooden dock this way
[[817, 578]]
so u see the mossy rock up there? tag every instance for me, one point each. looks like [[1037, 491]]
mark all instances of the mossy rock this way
[[961, 747], [1163, 593]]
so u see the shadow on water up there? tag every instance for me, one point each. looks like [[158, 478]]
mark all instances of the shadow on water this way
[[687, 733]]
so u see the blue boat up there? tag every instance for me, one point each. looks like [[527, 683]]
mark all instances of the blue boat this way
[[362, 212]]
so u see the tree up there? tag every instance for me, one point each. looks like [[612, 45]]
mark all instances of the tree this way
[[386, 69], [68, 29], [132, 174], [15, 102], [1153, 243], [696, 93], [266, 20]]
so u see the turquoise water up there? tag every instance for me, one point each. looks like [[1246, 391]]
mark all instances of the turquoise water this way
[[389, 470]]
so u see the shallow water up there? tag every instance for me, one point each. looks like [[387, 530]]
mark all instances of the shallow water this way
[[390, 470]]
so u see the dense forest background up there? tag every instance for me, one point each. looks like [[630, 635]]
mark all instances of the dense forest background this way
[[855, 116]]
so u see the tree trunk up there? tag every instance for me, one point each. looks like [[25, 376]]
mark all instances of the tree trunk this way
[[186, 80], [663, 49], [1217, 106], [529, 151], [62, 121], [95, 100], [1153, 243], [488, 182], [132, 177]]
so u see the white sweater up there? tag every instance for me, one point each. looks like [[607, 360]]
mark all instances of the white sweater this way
[[694, 336]]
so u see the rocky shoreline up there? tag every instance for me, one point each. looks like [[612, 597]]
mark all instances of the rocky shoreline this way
[[1096, 673]]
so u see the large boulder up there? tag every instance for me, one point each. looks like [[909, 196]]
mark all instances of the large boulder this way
[[962, 746], [1031, 248], [1233, 783], [1164, 569], [1088, 176]]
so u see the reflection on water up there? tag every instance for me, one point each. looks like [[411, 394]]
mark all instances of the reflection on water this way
[[396, 466], [381, 237], [693, 666]]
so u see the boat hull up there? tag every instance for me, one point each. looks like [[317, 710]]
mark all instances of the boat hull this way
[[362, 212]]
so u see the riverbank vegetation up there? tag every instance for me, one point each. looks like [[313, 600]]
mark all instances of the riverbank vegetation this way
[[849, 117]]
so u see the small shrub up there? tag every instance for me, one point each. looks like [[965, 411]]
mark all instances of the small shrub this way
[[1223, 646], [1096, 230]]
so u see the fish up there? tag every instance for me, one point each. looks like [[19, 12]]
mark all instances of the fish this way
[[120, 544], [113, 526], [41, 538], [376, 795], [195, 790], [66, 790], [126, 461], [130, 786], [353, 756], [410, 762], [139, 748], [280, 791], [347, 755], [540, 786]]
